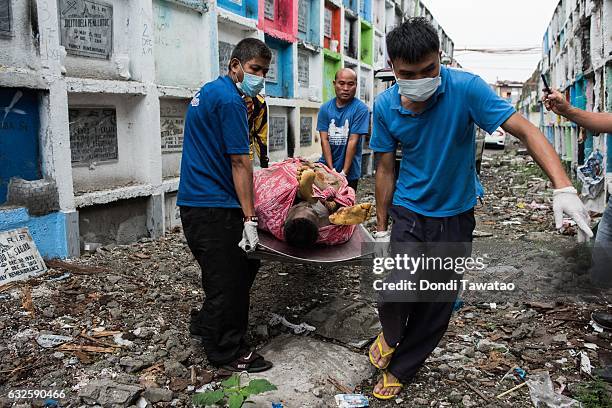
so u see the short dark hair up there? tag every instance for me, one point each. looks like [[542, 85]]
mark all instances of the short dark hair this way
[[412, 41], [301, 232], [250, 48]]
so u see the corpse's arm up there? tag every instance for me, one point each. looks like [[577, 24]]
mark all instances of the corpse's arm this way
[[242, 173]]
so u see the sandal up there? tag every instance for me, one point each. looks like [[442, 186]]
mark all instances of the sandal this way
[[250, 362], [387, 385], [380, 350]]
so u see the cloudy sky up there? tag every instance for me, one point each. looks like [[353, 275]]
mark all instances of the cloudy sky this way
[[495, 24]]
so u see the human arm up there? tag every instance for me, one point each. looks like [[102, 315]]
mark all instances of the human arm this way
[[565, 196], [384, 188], [599, 122], [326, 149], [351, 149], [242, 174]]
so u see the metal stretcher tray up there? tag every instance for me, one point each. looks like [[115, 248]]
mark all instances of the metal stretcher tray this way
[[349, 253]]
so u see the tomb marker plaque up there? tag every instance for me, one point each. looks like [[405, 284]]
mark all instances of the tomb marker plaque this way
[[303, 16], [306, 131], [269, 9], [86, 28], [327, 23], [303, 69], [225, 54], [172, 124], [93, 135], [19, 258], [278, 130], [273, 70]]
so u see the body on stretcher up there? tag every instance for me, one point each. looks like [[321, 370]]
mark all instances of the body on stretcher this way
[[351, 252]]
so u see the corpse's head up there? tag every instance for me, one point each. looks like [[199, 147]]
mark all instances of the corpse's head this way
[[301, 228], [414, 50], [250, 56]]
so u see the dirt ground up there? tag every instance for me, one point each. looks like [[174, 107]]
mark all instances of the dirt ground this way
[[126, 310]]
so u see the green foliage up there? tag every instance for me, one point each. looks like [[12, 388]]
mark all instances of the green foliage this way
[[594, 394], [232, 394]]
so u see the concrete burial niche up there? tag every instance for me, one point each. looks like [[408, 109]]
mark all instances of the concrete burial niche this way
[[331, 64], [172, 124], [281, 136], [352, 5], [106, 150], [350, 38], [379, 51], [279, 80], [172, 213], [309, 142], [367, 43], [309, 24], [309, 74], [366, 78], [17, 34], [279, 19], [176, 29], [365, 10], [245, 8], [97, 38], [379, 15], [331, 27]]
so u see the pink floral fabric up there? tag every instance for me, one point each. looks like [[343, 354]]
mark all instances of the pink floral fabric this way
[[275, 191]]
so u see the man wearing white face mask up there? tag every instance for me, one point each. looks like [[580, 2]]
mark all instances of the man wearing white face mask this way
[[217, 207], [431, 111]]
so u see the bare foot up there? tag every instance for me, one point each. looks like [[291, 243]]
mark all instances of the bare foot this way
[[391, 390], [386, 350], [351, 215], [306, 177]]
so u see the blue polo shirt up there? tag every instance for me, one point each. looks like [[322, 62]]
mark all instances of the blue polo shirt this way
[[437, 173], [340, 123], [215, 127]]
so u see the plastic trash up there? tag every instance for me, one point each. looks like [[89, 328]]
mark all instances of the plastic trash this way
[[520, 372], [60, 278], [458, 304], [351, 401], [543, 394], [51, 403], [277, 405], [52, 340]]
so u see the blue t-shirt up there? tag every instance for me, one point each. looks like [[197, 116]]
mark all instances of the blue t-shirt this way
[[215, 127], [437, 172], [340, 123]]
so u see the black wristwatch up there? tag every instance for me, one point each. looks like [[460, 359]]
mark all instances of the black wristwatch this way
[[250, 218]]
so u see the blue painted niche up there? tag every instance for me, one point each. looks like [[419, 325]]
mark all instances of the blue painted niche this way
[[19, 142], [245, 8], [279, 81]]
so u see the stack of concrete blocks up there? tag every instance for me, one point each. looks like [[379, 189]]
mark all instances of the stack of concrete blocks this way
[[577, 59], [93, 95]]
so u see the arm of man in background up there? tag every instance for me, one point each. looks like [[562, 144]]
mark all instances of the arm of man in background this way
[[600, 122], [384, 188], [351, 150], [565, 196], [326, 149]]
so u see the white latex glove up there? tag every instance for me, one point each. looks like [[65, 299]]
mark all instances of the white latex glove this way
[[382, 239], [566, 200], [250, 238], [342, 173]]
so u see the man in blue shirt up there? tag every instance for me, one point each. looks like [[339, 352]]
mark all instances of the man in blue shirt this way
[[431, 112], [217, 210], [341, 122]]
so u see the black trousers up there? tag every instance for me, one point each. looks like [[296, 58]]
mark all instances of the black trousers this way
[[353, 184], [227, 276], [416, 328]]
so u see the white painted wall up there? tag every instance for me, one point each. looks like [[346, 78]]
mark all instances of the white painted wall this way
[[182, 49], [18, 48]]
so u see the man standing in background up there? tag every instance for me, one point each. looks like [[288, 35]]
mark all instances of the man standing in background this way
[[341, 122]]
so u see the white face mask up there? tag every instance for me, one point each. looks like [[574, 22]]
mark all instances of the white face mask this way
[[417, 90]]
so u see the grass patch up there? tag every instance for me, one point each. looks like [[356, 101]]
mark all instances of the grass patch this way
[[594, 394]]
